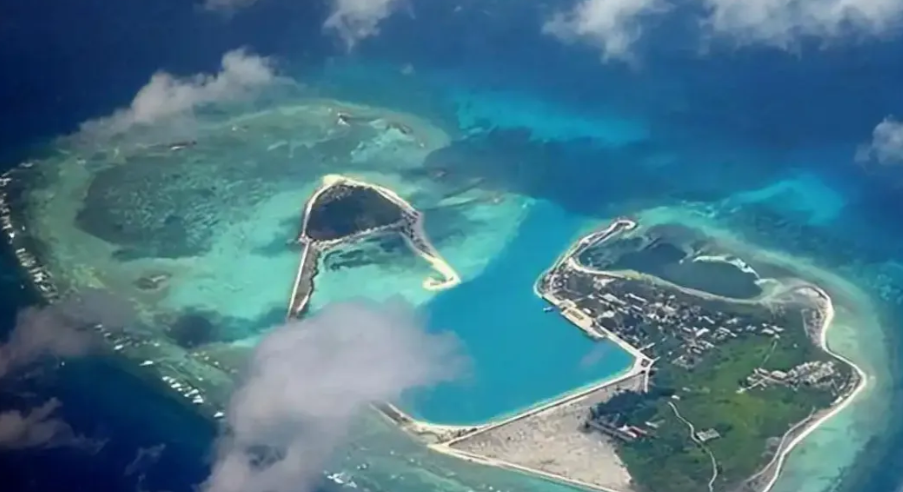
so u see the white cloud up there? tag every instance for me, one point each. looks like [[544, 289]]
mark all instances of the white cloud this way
[[782, 23], [172, 100], [59, 330], [34, 428], [38, 428], [39, 333], [611, 25], [615, 25], [886, 146], [306, 383], [354, 20]]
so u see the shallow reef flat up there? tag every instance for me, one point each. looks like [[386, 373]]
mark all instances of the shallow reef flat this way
[[178, 227], [200, 236]]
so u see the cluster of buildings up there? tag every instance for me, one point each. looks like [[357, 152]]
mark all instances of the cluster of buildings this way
[[627, 416], [152, 352], [661, 323], [40, 277], [815, 374], [669, 327], [623, 432]]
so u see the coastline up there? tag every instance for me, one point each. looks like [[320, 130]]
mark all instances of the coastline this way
[[410, 227], [523, 444], [587, 241], [634, 370], [799, 267], [800, 430], [447, 439], [421, 428], [636, 375], [820, 417], [424, 249], [442, 438]]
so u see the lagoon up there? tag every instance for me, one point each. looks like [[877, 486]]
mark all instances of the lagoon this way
[[667, 261], [519, 355]]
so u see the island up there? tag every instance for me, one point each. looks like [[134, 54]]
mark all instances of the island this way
[[344, 210], [736, 368]]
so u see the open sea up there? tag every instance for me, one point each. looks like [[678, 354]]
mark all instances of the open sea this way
[[767, 134]]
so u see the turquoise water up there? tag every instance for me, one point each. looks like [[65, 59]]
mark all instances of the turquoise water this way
[[519, 355]]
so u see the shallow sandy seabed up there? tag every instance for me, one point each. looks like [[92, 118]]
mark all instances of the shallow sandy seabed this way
[[246, 269], [255, 173], [243, 268]]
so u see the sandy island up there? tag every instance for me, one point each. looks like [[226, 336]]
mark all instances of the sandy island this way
[[410, 228]]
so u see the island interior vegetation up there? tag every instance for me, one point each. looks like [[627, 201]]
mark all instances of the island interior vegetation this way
[[731, 379]]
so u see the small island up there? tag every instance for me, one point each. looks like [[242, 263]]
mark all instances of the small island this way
[[344, 210]]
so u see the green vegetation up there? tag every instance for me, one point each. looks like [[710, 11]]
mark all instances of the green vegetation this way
[[344, 210], [670, 461], [630, 407], [709, 396], [732, 376]]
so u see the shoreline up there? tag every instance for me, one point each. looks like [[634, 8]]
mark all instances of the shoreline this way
[[800, 267], [409, 227], [426, 250], [581, 245], [557, 413], [825, 306], [440, 437], [496, 463], [445, 437], [639, 368], [826, 414], [634, 370], [418, 428]]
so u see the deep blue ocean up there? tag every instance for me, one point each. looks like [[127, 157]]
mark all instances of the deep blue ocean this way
[[730, 117]]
